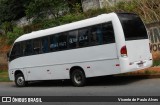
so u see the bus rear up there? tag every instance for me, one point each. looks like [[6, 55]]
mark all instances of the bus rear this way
[[135, 53]]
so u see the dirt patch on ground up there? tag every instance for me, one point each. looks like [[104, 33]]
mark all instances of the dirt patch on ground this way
[[148, 71], [156, 55], [4, 49]]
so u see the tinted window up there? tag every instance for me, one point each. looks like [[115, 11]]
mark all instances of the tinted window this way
[[45, 44], [27, 48], [37, 46], [83, 37], [108, 33], [62, 41], [133, 26], [96, 36], [73, 39], [15, 51], [53, 43]]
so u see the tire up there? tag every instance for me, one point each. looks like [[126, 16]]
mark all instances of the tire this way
[[78, 78], [20, 80]]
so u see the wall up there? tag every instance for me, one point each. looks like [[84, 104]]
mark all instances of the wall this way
[[154, 36], [90, 4]]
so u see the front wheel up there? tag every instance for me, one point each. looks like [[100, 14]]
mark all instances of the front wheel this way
[[78, 78], [20, 80]]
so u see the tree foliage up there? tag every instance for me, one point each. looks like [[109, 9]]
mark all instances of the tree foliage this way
[[43, 8], [17, 31], [72, 4], [148, 10], [7, 27], [39, 10], [11, 10]]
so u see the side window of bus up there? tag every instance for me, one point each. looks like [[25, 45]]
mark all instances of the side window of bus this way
[[73, 39], [27, 48], [53, 43], [45, 44], [83, 37], [108, 33], [96, 36], [15, 51], [62, 41], [37, 46]]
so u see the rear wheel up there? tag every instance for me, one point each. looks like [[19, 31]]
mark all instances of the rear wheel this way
[[20, 80], [78, 78]]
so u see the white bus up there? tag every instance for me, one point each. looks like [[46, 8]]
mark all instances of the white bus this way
[[104, 45]]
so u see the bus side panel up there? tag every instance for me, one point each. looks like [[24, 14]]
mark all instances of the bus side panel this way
[[102, 59], [38, 73], [102, 68]]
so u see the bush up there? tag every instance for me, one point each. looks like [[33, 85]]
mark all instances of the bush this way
[[62, 20], [95, 12], [49, 23], [7, 27], [156, 62], [15, 34], [148, 11], [69, 18], [32, 27]]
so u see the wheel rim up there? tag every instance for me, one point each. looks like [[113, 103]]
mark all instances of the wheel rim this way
[[78, 78], [20, 81]]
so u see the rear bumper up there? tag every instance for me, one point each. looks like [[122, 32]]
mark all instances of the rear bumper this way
[[127, 66]]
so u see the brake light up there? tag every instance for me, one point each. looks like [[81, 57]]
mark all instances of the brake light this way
[[124, 51]]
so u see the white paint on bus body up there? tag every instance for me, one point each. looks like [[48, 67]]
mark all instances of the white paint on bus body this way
[[97, 60]]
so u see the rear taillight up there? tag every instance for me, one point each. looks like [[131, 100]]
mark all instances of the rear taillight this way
[[124, 51]]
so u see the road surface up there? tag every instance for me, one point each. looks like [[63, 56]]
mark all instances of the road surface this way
[[102, 86]]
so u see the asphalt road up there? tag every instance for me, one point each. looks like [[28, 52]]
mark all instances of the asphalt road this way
[[102, 86]]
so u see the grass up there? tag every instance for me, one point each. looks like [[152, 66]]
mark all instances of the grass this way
[[4, 76], [156, 63], [151, 72]]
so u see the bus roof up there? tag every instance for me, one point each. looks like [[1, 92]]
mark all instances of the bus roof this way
[[67, 27]]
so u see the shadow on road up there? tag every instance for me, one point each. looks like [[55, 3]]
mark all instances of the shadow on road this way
[[96, 81]]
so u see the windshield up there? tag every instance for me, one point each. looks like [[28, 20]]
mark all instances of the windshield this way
[[133, 26]]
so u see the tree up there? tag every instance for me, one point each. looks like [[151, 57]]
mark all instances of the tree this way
[[72, 5], [11, 10], [43, 8]]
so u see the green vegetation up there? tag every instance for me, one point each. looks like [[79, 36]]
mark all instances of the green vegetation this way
[[17, 31], [63, 12], [150, 72], [40, 8], [156, 63], [12, 10], [4, 76], [148, 10]]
